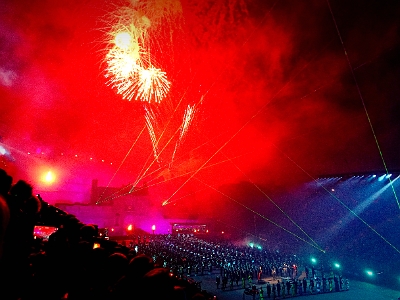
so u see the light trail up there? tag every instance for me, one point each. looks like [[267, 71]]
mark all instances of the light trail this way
[[191, 172], [120, 165], [143, 173], [195, 192], [341, 202], [152, 134], [166, 180], [373, 59], [240, 129], [187, 120], [363, 102], [154, 171], [245, 124], [202, 166], [151, 114], [263, 217], [273, 202]]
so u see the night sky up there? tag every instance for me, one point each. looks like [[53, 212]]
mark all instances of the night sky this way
[[284, 91]]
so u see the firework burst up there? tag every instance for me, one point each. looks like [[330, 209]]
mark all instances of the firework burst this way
[[152, 85], [130, 69]]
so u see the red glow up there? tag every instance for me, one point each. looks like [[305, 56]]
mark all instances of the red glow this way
[[252, 100]]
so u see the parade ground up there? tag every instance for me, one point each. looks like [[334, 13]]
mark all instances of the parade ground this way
[[357, 290]]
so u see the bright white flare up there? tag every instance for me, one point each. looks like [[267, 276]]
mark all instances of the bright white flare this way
[[129, 65], [122, 64], [123, 40], [152, 85]]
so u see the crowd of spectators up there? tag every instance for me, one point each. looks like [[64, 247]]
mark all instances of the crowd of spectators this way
[[243, 267], [75, 263]]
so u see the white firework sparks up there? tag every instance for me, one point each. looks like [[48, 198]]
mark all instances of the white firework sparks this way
[[152, 85], [152, 134]]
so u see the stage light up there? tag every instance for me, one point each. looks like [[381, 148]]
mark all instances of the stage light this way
[[388, 175], [129, 228], [48, 177], [336, 265], [381, 177], [313, 260], [369, 272]]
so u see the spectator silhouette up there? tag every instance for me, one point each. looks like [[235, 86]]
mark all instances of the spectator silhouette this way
[[18, 238], [5, 185], [157, 285], [132, 281]]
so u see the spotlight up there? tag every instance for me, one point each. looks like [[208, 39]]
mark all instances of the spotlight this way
[[2, 150], [313, 260], [48, 177], [369, 272]]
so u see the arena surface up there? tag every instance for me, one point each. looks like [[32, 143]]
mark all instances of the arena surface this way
[[358, 290]]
